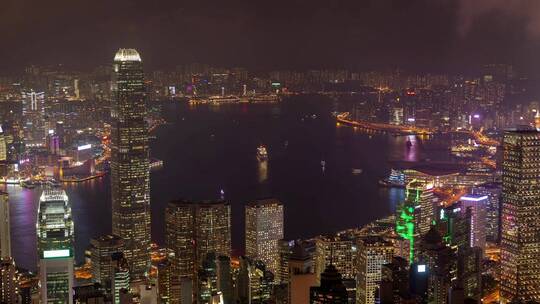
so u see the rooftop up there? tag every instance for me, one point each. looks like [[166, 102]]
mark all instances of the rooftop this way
[[127, 55]]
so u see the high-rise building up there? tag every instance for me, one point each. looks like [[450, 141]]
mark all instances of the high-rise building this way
[[422, 194], [5, 232], [339, 251], [224, 279], [165, 280], [331, 291], [416, 214], [33, 113], [207, 279], [469, 272], [477, 205], [55, 247], [520, 238], [394, 287], [455, 226], [301, 274], [120, 281], [253, 282], [493, 192], [101, 256], [195, 229], [439, 261], [264, 229], [285, 250], [9, 285], [215, 280], [373, 253], [130, 167], [3, 146]]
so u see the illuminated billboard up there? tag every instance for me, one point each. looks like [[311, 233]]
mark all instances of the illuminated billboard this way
[[84, 147], [51, 254]]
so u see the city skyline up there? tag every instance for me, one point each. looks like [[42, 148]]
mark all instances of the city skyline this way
[[402, 169]]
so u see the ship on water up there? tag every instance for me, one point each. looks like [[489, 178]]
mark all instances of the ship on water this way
[[198, 100], [396, 179], [262, 153], [265, 98], [222, 99]]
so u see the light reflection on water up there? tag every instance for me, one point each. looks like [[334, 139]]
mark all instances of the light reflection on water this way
[[208, 149]]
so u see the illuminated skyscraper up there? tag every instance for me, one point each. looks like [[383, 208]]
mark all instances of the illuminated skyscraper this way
[[224, 278], [195, 229], [264, 229], [520, 238], [439, 261], [5, 234], [9, 285], [253, 282], [3, 145], [338, 251], [165, 282], [416, 214], [33, 112], [373, 253], [120, 280], [55, 247], [130, 170], [493, 193], [477, 205], [102, 250]]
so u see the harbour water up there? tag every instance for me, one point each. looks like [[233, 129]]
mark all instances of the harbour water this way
[[207, 149]]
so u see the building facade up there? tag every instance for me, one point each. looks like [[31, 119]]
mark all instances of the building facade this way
[[5, 231], [338, 251], [55, 233], [264, 229], [416, 214], [102, 250], [520, 238], [9, 285], [478, 206], [130, 163], [373, 253], [195, 229]]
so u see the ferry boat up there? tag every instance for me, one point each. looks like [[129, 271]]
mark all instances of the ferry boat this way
[[357, 171], [262, 154], [155, 164], [395, 180], [218, 100], [265, 98], [198, 100]]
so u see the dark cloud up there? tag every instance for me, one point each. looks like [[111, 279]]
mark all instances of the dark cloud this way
[[526, 11], [423, 34]]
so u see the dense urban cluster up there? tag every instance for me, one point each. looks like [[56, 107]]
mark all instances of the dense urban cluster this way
[[466, 231]]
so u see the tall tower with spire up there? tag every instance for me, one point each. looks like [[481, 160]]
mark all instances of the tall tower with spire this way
[[130, 168]]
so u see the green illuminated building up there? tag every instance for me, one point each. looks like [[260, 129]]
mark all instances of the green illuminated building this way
[[416, 214]]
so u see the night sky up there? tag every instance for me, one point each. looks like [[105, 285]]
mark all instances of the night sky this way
[[414, 34]]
